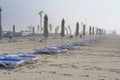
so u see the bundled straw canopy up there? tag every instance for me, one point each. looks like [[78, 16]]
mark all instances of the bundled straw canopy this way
[[77, 29], [96, 30], [33, 31], [90, 30], [46, 26], [84, 30], [62, 28], [13, 30]]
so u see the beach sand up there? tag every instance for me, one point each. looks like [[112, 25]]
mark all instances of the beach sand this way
[[99, 61]]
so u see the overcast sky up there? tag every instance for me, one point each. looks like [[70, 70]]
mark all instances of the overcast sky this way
[[99, 13]]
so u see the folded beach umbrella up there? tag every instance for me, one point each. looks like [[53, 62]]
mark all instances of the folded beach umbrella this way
[[62, 28], [96, 31], [14, 30], [62, 34], [89, 30], [84, 30], [33, 31], [77, 29], [93, 30], [46, 34], [46, 26]]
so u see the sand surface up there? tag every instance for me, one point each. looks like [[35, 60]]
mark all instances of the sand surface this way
[[99, 61]]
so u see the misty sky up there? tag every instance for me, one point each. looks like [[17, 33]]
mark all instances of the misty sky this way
[[99, 13]]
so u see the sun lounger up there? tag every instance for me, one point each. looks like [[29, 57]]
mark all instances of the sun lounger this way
[[14, 39], [50, 50], [60, 49], [68, 46], [57, 49], [42, 50], [81, 43], [10, 63], [31, 59], [22, 56], [53, 49]]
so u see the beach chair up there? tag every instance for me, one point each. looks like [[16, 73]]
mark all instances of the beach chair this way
[[42, 50], [50, 50], [61, 50], [53, 49], [22, 56], [10, 63], [14, 39], [57, 49], [68, 46], [27, 58], [81, 43]]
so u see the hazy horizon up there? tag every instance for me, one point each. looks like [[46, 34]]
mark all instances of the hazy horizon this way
[[98, 13]]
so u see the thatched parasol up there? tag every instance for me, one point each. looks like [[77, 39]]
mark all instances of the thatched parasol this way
[[14, 30], [77, 29], [33, 31], [84, 30], [46, 34], [90, 30], [62, 29]]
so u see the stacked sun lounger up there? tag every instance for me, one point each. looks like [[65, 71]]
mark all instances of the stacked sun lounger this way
[[65, 47], [50, 50]]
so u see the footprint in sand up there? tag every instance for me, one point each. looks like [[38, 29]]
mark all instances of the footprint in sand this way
[[54, 65], [101, 79], [102, 76], [88, 69], [60, 65], [53, 72], [67, 74], [84, 76], [97, 68], [42, 71], [114, 70], [74, 66]]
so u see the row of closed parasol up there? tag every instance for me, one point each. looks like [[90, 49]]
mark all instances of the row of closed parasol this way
[[62, 34]]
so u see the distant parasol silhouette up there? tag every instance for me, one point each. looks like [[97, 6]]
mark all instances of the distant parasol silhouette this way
[[62, 29], [46, 34], [77, 29]]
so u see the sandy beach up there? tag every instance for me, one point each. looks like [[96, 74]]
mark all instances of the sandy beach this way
[[99, 61]]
